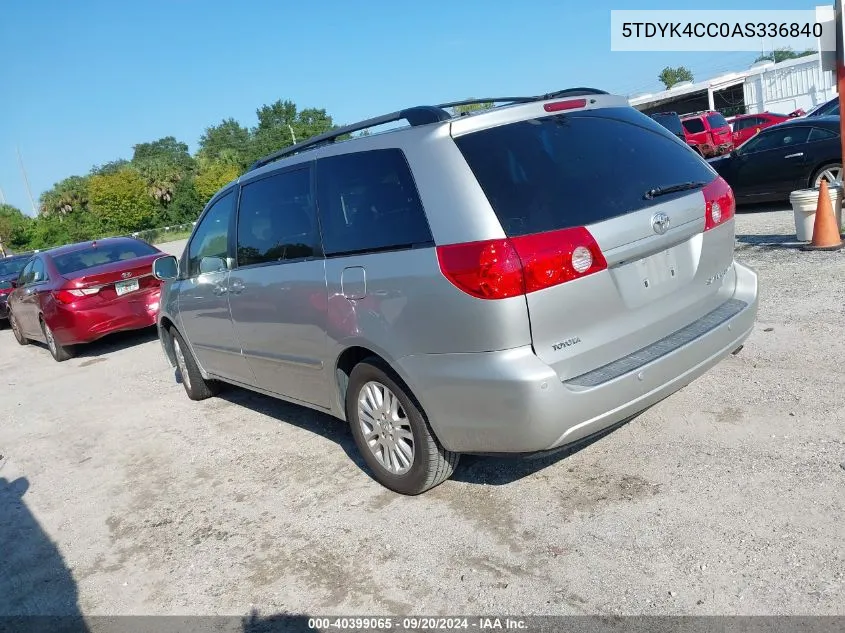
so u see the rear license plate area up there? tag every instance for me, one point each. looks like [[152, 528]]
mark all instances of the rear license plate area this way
[[125, 287], [655, 276]]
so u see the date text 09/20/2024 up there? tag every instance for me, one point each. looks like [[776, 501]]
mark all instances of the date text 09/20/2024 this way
[[417, 623]]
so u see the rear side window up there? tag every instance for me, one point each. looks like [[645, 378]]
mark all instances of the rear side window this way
[[276, 220], [716, 120], [552, 173], [693, 126], [368, 202], [101, 254], [820, 134]]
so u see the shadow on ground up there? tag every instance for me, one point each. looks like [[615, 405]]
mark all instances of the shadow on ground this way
[[770, 241], [495, 470], [34, 579]]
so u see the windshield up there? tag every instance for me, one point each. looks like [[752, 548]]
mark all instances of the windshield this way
[[10, 267], [99, 255]]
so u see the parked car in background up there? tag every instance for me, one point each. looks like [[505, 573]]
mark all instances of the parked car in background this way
[[497, 295], [745, 126], [10, 268], [708, 133], [80, 292], [828, 108], [795, 154], [672, 122]]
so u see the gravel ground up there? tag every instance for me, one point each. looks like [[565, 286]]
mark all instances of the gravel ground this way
[[118, 495]]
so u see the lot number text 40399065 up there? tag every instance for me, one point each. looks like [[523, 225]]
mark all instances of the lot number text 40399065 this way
[[417, 623]]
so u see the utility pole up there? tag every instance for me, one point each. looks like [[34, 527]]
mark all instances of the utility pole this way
[[26, 182], [292, 134], [2, 196]]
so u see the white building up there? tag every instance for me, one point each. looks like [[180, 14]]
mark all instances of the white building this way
[[765, 87]]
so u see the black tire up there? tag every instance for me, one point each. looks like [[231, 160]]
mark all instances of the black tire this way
[[431, 464], [197, 387], [59, 352], [16, 330], [820, 170]]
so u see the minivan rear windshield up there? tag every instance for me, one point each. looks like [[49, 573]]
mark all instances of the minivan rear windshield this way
[[578, 168], [99, 255]]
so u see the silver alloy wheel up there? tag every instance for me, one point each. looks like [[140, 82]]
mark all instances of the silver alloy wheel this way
[[832, 175], [386, 428], [180, 361], [51, 342]]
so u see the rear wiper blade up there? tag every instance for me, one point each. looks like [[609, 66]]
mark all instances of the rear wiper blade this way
[[662, 191]]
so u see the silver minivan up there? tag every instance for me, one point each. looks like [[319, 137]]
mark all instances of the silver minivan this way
[[511, 281]]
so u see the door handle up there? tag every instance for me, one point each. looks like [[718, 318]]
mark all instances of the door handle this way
[[797, 155]]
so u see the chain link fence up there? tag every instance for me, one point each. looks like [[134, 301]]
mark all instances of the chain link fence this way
[[165, 233]]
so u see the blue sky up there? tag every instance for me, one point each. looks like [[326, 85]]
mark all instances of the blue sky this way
[[82, 82]]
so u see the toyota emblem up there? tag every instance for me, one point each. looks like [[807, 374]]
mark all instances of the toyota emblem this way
[[127, 275], [660, 223]]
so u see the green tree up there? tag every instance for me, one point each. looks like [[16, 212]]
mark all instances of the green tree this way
[[212, 178], [471, 107], [280, 123], [227, 142], [121, 201], [14, 228], [163, 163], [671, 76], [782, 54], [109, 168], [186, 205], [67, 196]]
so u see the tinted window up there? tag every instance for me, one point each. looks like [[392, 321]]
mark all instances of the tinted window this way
[[776, 138], [276, 219], [716, 120], [671, 122], [101, 254], [694, 126], [26, 274], [212, 234], [14, 266], [821, 134], [551, 173], [368, 202], [38, 274]]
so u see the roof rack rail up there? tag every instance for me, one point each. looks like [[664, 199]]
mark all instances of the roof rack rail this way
[[420, 115]]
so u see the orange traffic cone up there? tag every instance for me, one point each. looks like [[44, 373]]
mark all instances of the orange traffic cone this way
[[825, 232]]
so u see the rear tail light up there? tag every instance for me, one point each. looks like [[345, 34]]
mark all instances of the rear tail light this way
[[719, 203], [498, 269], [74, 294]]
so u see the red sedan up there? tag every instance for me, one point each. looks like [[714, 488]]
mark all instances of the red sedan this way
[[80, 292], [745, 126]]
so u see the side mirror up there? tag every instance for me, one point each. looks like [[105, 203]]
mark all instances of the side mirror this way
[[13, 283], [212, 265], [166, 268]]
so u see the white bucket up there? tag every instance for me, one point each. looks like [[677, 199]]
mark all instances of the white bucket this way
[[804, 203]]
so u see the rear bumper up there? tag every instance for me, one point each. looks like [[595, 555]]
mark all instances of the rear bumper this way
[[511, 402], [74, 326]]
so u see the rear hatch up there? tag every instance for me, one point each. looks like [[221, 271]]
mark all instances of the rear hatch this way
[[719, 129], [108, 272], [657, 265]]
